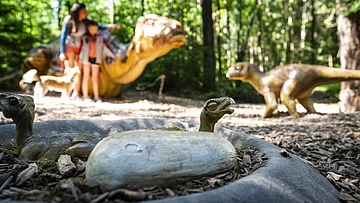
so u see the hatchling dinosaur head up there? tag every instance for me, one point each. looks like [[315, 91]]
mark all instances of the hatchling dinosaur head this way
[[215, 109], [240, 71], [16, 106]]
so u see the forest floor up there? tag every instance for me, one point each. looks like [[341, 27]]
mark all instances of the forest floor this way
[[329, 140]]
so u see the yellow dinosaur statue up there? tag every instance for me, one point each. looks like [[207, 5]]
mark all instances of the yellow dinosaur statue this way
[[154, 37]]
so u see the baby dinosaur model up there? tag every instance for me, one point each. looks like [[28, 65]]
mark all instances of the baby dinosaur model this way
[[143, 158], [20, 109], [212, 111], [289, 83]]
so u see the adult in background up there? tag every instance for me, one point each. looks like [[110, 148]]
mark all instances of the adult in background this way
[[75, 26]]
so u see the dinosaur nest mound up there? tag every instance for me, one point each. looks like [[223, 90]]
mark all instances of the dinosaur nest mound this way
[[329, 141], [19, 180]]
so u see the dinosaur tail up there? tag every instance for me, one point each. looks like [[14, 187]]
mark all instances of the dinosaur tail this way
[[339, 75]]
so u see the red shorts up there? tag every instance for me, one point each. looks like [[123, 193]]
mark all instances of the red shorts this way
[[75, 50]]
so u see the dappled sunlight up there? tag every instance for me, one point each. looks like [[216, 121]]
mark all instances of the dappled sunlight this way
[[248, 115], [54, 108]]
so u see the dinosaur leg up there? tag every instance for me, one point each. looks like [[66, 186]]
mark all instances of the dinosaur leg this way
[[290, 105], [81, 150], [288, 99], [307, 104], [81, 145], [271, 104]]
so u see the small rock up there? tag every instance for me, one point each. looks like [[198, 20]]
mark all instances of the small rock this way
[[213, 182], [65, 165], [26, 174]]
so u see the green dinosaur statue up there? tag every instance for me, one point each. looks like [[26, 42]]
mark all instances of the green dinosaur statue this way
[[212, 111], [289, 83], [20, 108]]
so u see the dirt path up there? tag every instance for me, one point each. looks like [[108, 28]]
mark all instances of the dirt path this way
[[330, 141]]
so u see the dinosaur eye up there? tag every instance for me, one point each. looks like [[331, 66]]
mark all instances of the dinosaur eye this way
[[212, 105], [13, 101], [149, 22]]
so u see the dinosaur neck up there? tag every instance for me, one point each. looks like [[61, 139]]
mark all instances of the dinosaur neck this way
[[137, 59], [131, 69], [206, 125], [255, 79], [24, 130]]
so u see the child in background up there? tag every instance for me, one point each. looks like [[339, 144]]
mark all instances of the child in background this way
[[73, 29], [91, 49]]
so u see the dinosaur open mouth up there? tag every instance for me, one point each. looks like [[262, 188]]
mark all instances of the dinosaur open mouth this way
[[226, 105], [178, 35], [179, 39]]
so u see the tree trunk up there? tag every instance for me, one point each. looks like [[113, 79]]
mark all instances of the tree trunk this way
[[58, 15], [288, 35], [240, 50], [349, 50], [218, 36], [142, 7], [68, 5], [259, 38], [304, 19], [313, 33], [208, 36]]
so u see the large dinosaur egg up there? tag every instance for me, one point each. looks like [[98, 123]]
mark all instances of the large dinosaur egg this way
[[143, 158]]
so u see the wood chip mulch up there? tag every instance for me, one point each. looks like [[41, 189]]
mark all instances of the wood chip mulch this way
[[42, 181], [330, 143]]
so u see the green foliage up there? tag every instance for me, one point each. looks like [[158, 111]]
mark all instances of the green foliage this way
[[47, 165], [331, 90], [10, 149], [354, 6], [23, 25]]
